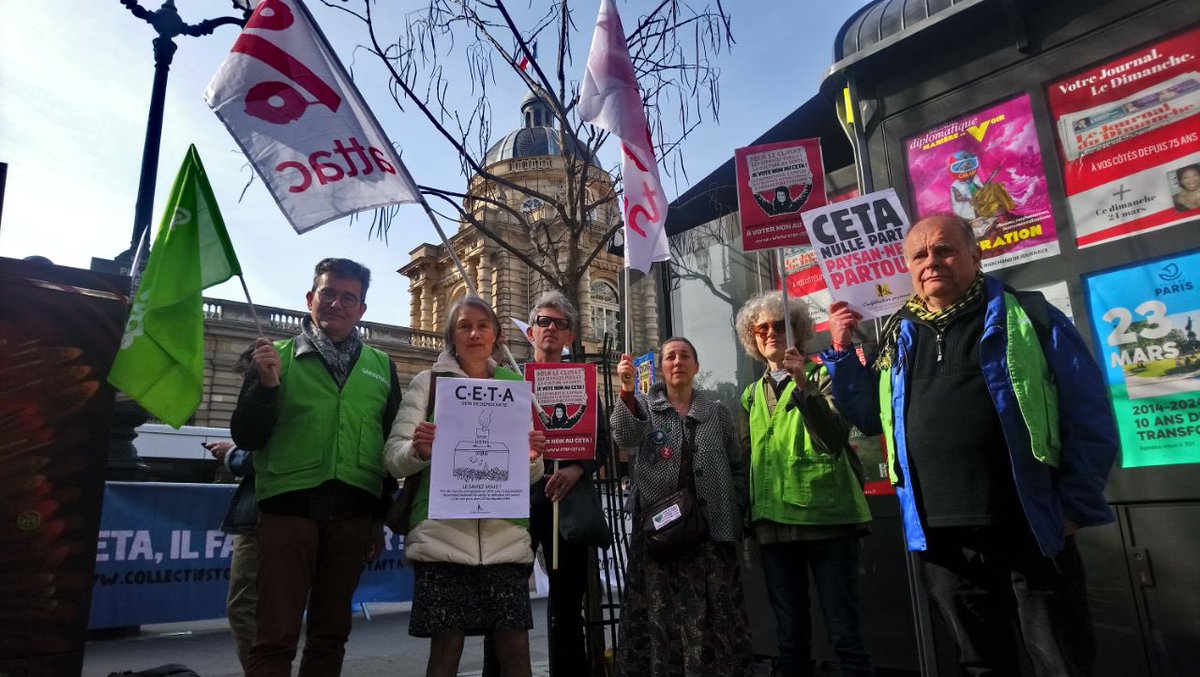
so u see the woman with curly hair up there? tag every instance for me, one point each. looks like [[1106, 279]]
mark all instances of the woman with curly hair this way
[[807, 508]]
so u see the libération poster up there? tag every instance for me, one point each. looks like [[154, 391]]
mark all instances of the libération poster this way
[[859, 244], [987, 168], [776, 181], [568, 399], [1146, 318], [1129, 140], [805, 284]]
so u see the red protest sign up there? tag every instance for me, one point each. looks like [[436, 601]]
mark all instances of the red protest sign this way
[[777, 181], [569, 402]]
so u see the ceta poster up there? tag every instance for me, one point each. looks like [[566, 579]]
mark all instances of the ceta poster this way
[[1146, 318], [643, 366], [987, 168], [568, 400], [859, 245], [802, 274], [480, 464], [1129, 140], [776, 181]]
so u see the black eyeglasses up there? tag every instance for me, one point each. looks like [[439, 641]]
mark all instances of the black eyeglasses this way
[[347, 301], [560, 323], [764, 328]]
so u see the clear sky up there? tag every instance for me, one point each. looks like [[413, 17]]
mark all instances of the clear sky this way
[[75, 81]]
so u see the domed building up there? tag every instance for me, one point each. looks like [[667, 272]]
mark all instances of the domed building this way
[[531, 156]]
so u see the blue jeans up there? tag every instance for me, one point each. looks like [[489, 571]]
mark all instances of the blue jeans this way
[[834, 566]]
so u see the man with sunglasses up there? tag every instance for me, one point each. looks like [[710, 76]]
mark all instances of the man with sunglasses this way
[[314, 410], [552, 324]]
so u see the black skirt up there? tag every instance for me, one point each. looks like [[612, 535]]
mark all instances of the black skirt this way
[[469, 599]]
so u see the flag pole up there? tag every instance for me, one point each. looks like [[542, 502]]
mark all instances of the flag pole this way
[[462, 270], [554, 528], [628, 307], [787, 316], [253, 312], [138, 254]]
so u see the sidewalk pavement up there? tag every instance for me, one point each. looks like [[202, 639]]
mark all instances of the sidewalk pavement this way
[[379, 646]]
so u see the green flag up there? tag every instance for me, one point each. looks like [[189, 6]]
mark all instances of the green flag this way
[[161, 361]]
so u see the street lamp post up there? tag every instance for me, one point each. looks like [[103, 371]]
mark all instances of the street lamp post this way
[[168, 25], [123, 461]]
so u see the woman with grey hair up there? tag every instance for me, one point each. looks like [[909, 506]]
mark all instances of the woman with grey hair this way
[[807, 507], [470, 575]]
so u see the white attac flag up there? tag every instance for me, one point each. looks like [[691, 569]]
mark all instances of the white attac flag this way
[[302, 123], [610, 98]]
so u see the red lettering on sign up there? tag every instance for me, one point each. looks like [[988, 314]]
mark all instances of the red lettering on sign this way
[[640, 211], [633, 156], [272, 15], [323, 166], [278, 102]]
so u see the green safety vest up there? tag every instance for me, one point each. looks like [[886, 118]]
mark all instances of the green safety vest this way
[[1032, 384], [322, 433], [791, 480]]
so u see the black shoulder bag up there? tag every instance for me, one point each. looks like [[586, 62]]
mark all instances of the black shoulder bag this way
[[676, 523], [400, 512]]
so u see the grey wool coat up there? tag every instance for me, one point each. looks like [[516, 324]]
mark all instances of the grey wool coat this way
[[654, 436]]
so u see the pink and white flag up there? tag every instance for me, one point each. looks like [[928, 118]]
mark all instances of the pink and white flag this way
[[292, 107], [610, 98]]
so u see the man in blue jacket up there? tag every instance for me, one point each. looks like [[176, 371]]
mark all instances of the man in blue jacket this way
[[999, 437]]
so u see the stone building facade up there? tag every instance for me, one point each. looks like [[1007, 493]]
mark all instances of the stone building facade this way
[[229, 329], [529, 156]]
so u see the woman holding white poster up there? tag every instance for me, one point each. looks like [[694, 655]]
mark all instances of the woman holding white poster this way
[[470, 575], [683, 612]]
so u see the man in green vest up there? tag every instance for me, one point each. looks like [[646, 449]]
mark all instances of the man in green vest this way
[[314, 410], [1000, 438]]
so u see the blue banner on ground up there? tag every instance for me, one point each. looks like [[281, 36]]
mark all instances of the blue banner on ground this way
[[160, 557]]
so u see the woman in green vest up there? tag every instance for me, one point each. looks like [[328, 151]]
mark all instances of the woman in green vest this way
[[471, 576], [807, 508]]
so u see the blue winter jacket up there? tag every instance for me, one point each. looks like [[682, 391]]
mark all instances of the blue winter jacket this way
[[1050, 490]]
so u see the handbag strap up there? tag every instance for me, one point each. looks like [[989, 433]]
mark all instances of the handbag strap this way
[[687, 477], [432, 392]]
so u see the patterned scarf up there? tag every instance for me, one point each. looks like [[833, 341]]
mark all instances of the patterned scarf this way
[[939, 319], [339, 358]]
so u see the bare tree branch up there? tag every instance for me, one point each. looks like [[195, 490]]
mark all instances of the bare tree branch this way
[[673, 47]]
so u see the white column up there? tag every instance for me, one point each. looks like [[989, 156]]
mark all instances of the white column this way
[[428, 320], [483, 276]]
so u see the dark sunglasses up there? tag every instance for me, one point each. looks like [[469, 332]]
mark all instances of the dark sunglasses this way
[[560, 323], [763, 329]]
